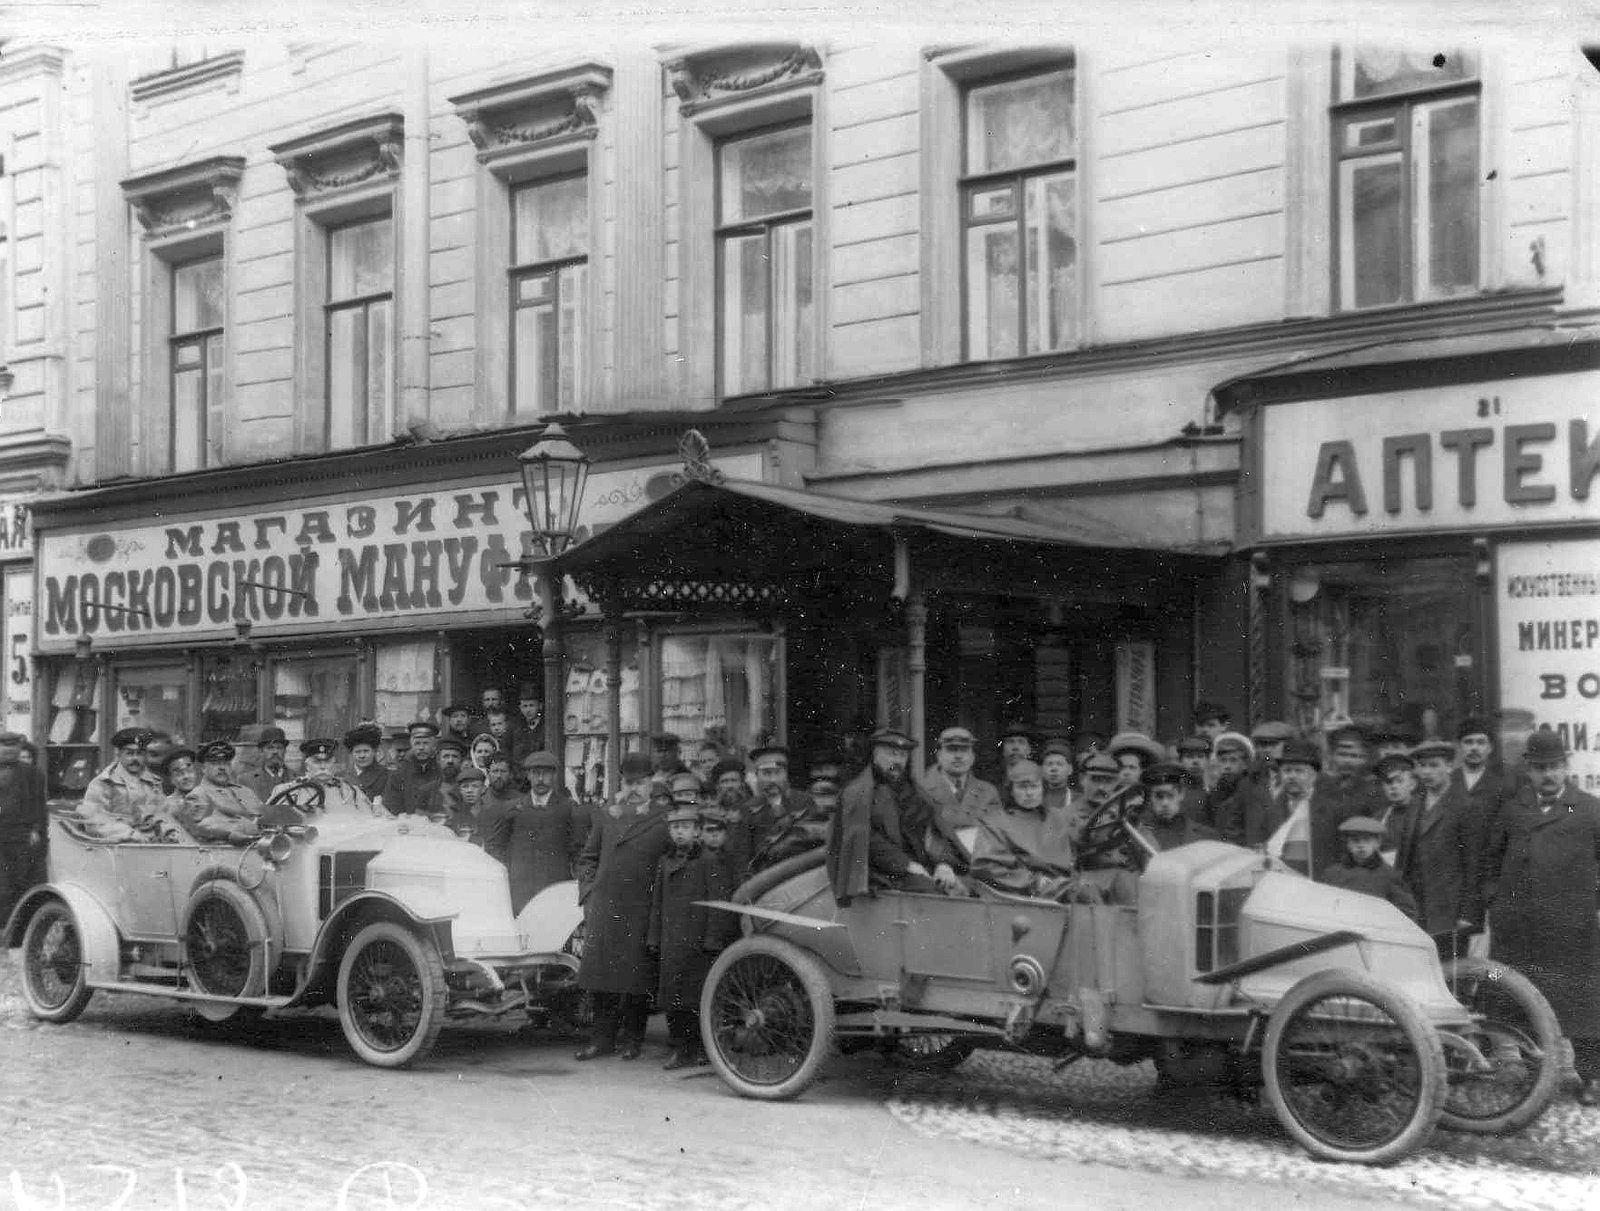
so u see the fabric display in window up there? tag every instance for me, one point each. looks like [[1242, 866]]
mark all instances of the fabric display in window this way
[[755, 690], [630, 698], [65, 724], [573, 751], [716, 710]]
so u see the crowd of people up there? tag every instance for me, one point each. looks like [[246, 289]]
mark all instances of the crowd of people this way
[[1436, 827]]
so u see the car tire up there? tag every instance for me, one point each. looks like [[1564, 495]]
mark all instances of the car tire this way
[[1336, 1042], [1518, 1034], [55, 970], [392, 995], [766, 1018], [226, 941]]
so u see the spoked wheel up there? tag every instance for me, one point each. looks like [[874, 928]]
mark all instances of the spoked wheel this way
[[1353, 1070], [55, 981], [1514, 1029], [930, 1052], [766, 1017], [225, 940], [392, 995]]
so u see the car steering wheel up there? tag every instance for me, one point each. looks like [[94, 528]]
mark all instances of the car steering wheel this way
[[1111, 821], [293, 803]]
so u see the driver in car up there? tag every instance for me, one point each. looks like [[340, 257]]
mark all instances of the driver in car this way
[[886, 835], [1022, 846], [338, 797]]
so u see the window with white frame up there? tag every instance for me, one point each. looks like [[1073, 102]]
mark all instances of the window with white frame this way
[[1405, 144], [764, 259], [549, 272], [1019, 206], [196, 360], [360, 324]]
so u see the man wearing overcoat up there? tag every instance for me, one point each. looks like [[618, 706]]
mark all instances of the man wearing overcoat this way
[[885, 834], [539, 836], [124, 802], [1438, 857], [414, 783], [1545, 852], [960, 796], [615, 870], [24, 824]]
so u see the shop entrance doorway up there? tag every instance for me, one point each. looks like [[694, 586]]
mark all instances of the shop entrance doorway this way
[[504, 659]]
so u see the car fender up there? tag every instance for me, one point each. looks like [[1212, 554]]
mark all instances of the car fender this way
[[550, 919], [96, 928], [349, 919]]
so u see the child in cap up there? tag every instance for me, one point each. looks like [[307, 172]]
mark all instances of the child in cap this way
[[463, 818], [1363, 869], [680, 935]]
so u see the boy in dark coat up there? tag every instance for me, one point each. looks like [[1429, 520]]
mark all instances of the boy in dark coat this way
[[1363, 868], [685, 934]]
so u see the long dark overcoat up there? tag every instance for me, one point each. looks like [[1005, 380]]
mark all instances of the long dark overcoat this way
[[686, 935], [1542, 906], [538, 845], [615, 873], [1439, 860]]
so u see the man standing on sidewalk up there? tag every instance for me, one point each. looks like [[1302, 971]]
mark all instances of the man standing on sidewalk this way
[[24, 821]]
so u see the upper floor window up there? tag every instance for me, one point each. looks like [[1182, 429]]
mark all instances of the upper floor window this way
[[764, 256], [1019, 205], [1405, 139], [197, 364], [360, 321], [549, 270]]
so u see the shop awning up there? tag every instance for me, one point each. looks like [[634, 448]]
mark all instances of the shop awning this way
[[743, 542]]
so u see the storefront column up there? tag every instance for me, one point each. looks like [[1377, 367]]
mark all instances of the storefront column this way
[[917, 662], [613, 625]]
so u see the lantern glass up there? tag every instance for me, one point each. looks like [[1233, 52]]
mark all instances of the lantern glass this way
[[554, 473]]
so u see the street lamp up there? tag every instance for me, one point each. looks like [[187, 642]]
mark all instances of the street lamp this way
[[554, 472]]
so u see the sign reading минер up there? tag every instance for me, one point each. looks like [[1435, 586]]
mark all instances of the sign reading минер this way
[[423, 557], [1518, 451]]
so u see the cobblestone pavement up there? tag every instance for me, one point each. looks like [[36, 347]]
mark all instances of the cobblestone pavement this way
[[281, 1116]]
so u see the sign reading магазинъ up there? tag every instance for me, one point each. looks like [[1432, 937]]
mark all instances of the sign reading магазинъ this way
[[423, 556], [1548, 607], [1437, 458]]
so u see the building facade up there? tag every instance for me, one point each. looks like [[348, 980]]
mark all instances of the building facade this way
[[1062, 324]]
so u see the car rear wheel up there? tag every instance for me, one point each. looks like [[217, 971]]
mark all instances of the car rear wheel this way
[[225, 938], [1353, 1069], [55, 979], [1515, 1029], [766, 1018], [392, 995]]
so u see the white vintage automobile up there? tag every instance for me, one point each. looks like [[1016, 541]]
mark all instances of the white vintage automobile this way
[[398, 923]]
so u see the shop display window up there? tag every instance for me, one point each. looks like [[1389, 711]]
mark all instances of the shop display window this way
[[1382, 641], [229, 695], [405, 683], [154, 697], [72, 738], [719, 687], [314, 696], [587, 710]]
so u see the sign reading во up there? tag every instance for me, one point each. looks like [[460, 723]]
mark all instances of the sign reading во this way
[[1520, 451]]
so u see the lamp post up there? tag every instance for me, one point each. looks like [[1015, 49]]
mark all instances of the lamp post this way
[[554, 472]]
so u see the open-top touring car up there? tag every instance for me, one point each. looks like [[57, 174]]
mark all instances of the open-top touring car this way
[[1226, 970], [397, 923]]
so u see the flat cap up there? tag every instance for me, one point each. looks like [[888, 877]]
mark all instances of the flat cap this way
[[451, 745], [1362, 826], [1058, 748], [1392, 763], [769, 750], [686, 814], [1194, 744], [685, 782], [470, 773], [217, 750], [1271, 732], [956, 737], [1434, 748], [544, 759], [893, 738]]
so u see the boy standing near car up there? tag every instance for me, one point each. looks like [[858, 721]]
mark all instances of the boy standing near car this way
[[680, 934]]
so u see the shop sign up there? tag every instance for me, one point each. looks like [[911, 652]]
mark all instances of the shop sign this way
[[1135, 665], [429, 556], [1517, 452], [16, 527], [1548, 605], [18, 598]]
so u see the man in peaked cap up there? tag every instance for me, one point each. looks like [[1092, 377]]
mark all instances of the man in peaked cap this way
[[1441, 860], [1397, 781], [885, 836], [456, 723], [362, 743], [219, 808], [338, 798], [1545, 859], [1166, 823], [124, 801], [415, 780], [959, 795], [1055, 765]]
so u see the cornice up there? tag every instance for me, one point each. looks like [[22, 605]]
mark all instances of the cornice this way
[[187, 78], [33, 460], [534, 112], [25, 60], [187, 196], [341, 156], [707, 76]]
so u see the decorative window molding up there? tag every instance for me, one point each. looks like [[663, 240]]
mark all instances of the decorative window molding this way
[[366, 150], [188, 197], [535, 114], [189, 78], [707, 77]]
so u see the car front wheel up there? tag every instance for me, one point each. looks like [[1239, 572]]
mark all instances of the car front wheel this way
[[392, 995], [766, 1018], [55, 980]]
